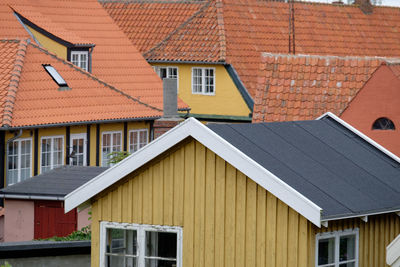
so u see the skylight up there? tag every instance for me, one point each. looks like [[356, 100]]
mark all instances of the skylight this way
[[55, 75]]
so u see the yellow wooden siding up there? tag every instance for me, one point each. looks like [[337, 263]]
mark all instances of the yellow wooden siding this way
[[226, 101], [49, 44], [374, 236], [227, 219]]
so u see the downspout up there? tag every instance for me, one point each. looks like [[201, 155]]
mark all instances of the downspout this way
[[18, 135], [90, 59]]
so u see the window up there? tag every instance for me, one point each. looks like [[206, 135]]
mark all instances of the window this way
[[383, 124], [167, 72], [52, 152], [55, 75], [203, 81], [19, 160], [111, 142], [80, 59], [337, 249], [137, 139], [78, 150], [140, 245]]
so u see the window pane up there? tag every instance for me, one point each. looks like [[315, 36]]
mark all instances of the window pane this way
[[163, 73], [161, 244], [197, 80], [160, 263], [115, 261], [349, 264], [326, 251], [347, 248]]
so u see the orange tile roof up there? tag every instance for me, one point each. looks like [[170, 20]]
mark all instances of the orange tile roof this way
[[114, 58], [304, 87], [250, 27], [37, 100]]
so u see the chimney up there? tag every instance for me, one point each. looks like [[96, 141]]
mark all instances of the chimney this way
[[365, 6], [170, 117]]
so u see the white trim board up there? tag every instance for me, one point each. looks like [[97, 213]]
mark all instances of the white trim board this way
[[211, 140]]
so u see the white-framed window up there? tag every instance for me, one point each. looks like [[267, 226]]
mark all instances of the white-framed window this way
[[80, 59], [166, 72], [203, 81], [110, 142], [337, 249], [19, 160], [52, 153], [78, 150], [140, 245], [138, 139]]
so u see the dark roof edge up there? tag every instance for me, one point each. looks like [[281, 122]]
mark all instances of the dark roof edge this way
[[78, 123], [240, 86], [186, 62], [214, 117], [30, 196], [359, 134], [343, 217], [43, 248]]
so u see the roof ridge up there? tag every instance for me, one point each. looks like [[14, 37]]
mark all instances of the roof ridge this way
[[389, 60], [221, 29], [153, 1], [12, 88], [94, 77], [169, 36]]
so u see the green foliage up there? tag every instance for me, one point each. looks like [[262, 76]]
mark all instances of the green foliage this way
[[84, 234], [6, 264], [117, 156]]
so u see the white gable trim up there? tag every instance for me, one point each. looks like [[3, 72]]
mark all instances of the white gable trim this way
[[192, 127], [393, 253], [360, 134]]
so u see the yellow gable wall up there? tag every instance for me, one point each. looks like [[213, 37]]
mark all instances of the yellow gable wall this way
[[226, 101], [49, 44], [227, 219]]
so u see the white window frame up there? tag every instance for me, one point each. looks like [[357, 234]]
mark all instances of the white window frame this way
[[101, 147], [337, 235], [52, 137], [78, 136], [19, 140], [157, 70], [137, 131], [79, 53], [203, 81], [141, 229]]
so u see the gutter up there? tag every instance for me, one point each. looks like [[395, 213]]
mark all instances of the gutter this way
[[186, 62], [31, 197]]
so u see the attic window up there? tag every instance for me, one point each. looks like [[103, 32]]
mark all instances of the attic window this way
[[383, 124], [55, 75]]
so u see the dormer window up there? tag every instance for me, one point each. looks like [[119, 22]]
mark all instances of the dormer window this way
[[383, 124], [80, 59], [55, 76]]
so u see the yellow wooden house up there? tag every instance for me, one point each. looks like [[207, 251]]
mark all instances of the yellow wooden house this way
[[309, 193]]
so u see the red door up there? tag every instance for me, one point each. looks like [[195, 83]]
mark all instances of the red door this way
[[50, 219]]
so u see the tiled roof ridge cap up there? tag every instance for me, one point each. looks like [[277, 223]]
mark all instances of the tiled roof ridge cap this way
[[169, 36], [93, 77], [389, 60], [221, 29], [153, 1], [12, 88]]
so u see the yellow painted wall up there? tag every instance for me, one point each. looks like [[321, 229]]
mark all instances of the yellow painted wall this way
[[49, 44], [226, 101], [227, 219]]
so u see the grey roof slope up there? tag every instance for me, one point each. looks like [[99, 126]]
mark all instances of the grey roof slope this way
[[55, 183], [327, 163]]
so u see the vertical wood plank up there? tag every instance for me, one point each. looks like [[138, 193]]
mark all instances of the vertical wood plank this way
[[281, 234], [179, 184], [137, 196], [311, 242], [371, 243], [261, 226], [126, 199], [95, 228], [168, 191], [302, 247], [241, 215], [115, 206], [129, 199], [188, 219], [210, 209], [251, 222], [147, 197], [361, 252], [270, 253], [219, 212], [199, 215], [158, 187], [230, 207], [293, 235]]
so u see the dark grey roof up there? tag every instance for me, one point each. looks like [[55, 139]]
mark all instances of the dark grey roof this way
[[324, 161], [55, 183]]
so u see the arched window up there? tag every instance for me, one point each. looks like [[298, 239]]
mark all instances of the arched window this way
[[383, 124]]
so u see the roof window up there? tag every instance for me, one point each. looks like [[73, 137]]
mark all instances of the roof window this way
[[383, 124], [55, 75]]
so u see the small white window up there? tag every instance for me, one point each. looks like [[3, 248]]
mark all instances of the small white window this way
[[77, 151], [140, 245], [19, 160], [167, 72], [55, 75], [337, 249], [80, 59], [203, 81], [52, 152], [111, 142], [137, 139]]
